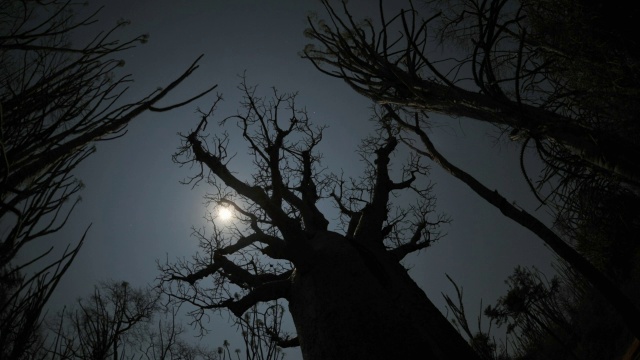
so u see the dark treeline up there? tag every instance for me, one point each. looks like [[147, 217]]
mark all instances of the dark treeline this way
[[558, 78]]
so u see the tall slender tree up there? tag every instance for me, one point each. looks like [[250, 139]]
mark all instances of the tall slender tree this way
[[512, 71], [56, 100], [510, 75], [347, 292]]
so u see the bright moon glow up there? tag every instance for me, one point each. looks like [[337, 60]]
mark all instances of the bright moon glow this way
[[224, 214]]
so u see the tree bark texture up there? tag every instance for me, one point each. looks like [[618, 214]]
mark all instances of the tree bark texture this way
[[357, 302]]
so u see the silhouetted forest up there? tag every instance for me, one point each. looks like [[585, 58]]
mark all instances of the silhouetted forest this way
[[558, 78]]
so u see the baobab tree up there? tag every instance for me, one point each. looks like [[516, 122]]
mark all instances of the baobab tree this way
[[347, 292], [511, 76], [56, 100]]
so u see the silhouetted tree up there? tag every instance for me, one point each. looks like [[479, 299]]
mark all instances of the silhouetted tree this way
[[348, 294], [511, 73], [56, 100], [102, 325], [507, 77], [534, 311], [119, 322], [609, 290]]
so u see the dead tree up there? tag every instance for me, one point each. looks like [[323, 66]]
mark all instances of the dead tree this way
[[102, 326], [347, 292], [56, 100], [508, 73], [508, 77], [118, 321], [610, 291]]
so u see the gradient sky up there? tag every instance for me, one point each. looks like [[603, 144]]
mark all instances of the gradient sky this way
[[141, 213]]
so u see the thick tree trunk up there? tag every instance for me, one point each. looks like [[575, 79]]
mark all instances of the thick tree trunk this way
[[357, 302]]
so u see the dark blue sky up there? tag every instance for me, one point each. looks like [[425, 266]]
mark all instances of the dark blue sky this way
[[141, 213]]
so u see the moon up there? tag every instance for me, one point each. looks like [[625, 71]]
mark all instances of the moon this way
[[225, 214]]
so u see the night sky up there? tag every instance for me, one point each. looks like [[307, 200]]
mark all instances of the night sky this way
[[140, 212]]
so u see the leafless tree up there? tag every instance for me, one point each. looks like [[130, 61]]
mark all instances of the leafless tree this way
[[56, 100], [507, 77], [347, 292], [566, 252], [509, 74], [118, 322], [102, 324], [261, 328]]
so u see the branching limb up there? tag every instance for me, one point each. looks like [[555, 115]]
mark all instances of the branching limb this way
[[353, 215], [501, 56], [606, 287], [375, 213], [254, 193], [414, 244], [266, 292]]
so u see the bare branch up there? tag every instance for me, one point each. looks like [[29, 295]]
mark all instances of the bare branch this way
[[502, 55], [266, 292], [606, 287], [57, 100]]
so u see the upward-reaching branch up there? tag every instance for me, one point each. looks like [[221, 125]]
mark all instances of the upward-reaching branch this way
[[481, 85], [56, 101], [607, 288]]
